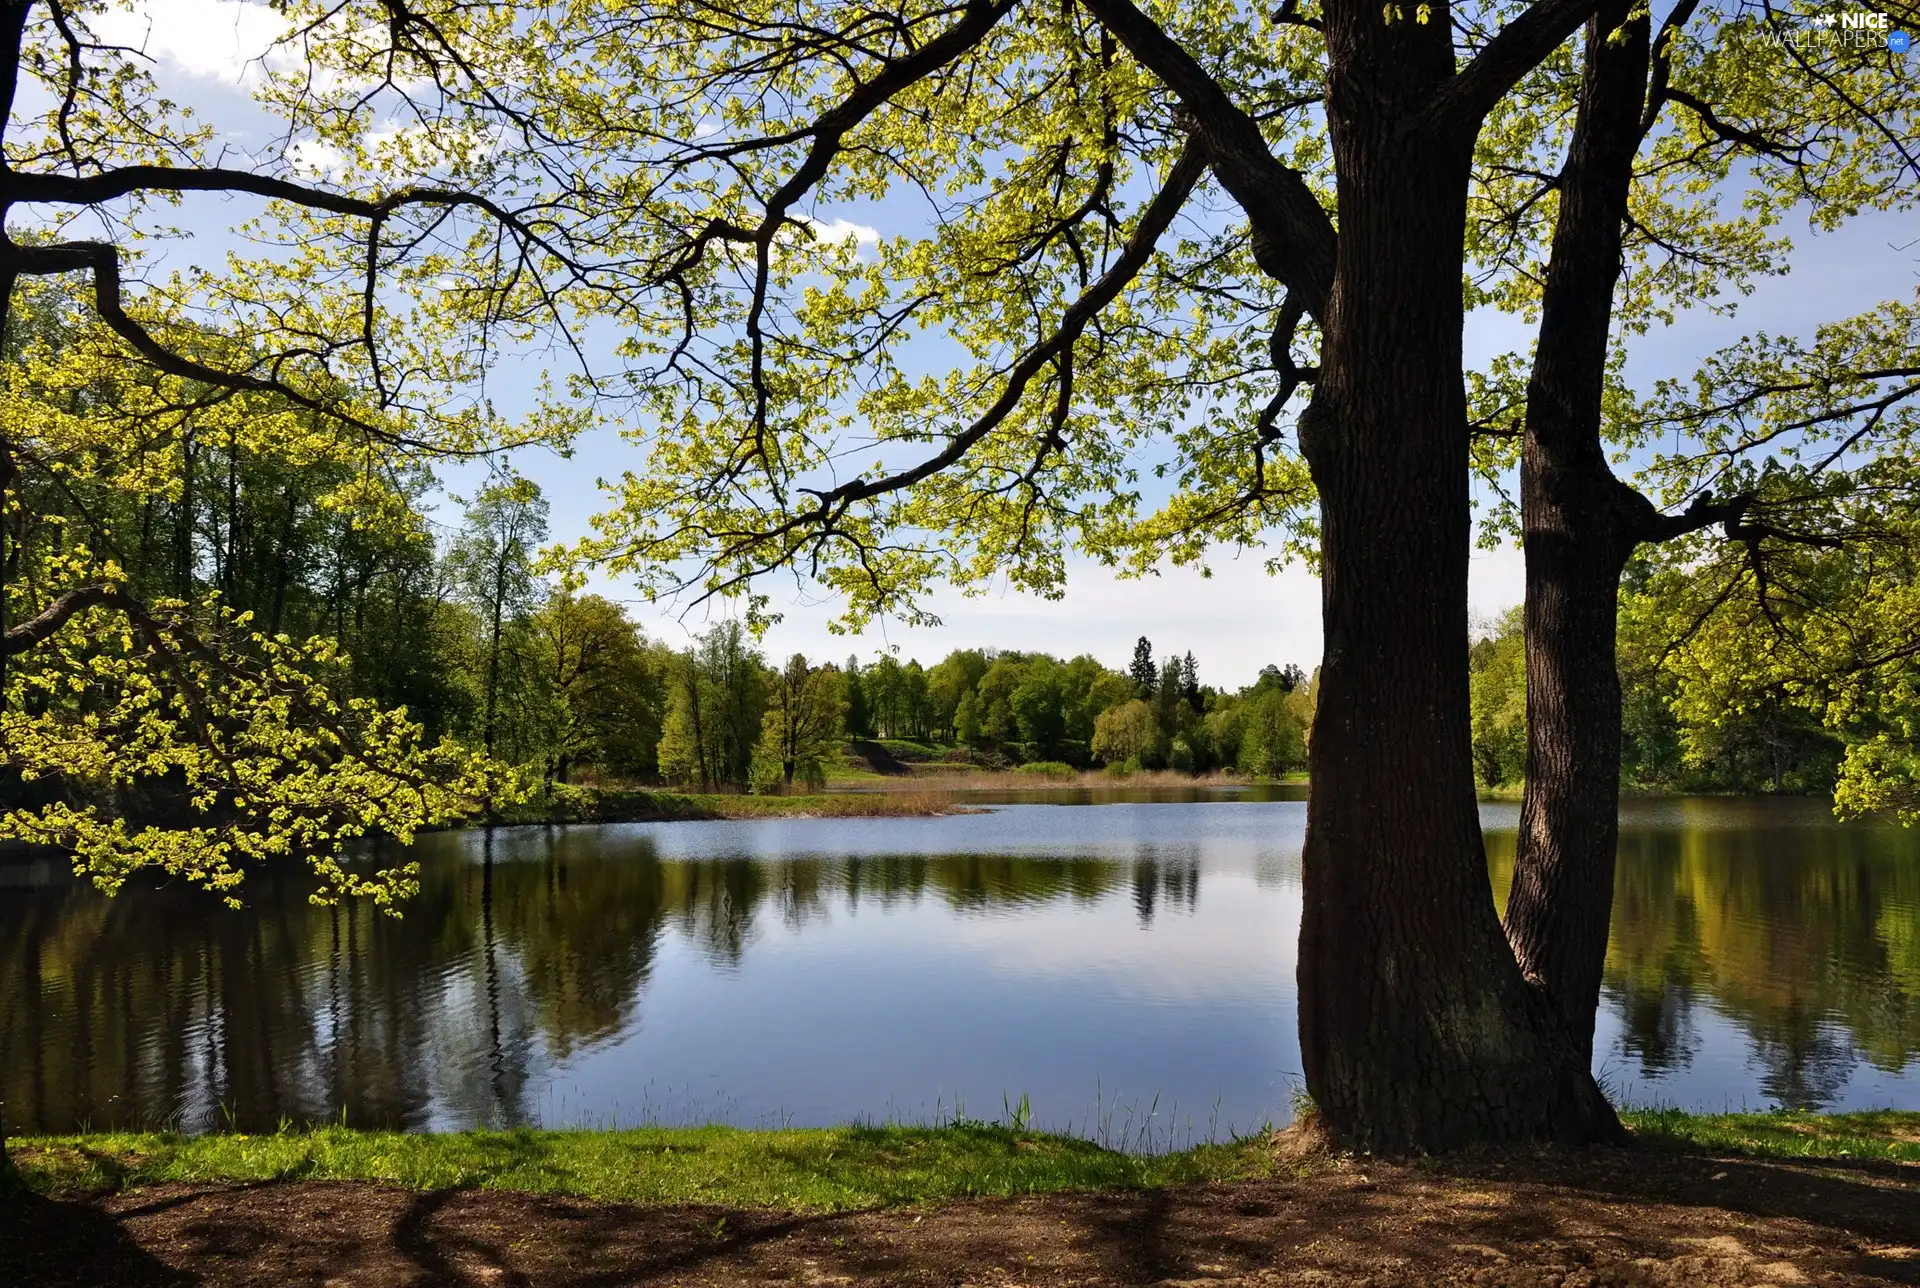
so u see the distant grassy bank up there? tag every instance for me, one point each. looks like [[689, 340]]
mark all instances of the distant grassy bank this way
[[1046, 776], [923, 793], [812, 1170], [636, 805]]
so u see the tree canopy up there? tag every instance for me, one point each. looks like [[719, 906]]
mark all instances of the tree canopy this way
[[1121, 241]]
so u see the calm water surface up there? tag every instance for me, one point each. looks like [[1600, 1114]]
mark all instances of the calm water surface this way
[[1126, 966]]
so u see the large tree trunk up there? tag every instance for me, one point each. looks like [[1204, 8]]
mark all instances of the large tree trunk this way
[[1417, 1029], [1580, 525], [10, 1181]]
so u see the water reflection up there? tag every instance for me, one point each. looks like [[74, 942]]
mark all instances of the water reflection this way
[[825, 971], [1767, 919], [524, 951]]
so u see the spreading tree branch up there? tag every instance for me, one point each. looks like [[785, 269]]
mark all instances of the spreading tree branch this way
[[1732, 514], [1503, 62], [819, 522], [1293, 239]]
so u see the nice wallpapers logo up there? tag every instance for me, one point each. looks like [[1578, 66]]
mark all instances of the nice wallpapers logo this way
[[1862, 28]]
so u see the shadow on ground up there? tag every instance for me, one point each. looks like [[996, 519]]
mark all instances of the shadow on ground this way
[[44, 1242], [1639, 1217]]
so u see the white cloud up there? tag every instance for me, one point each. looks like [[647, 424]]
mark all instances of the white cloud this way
[[324, 160], [842, 230], [315, 159], [217, 39], [812, 233], [1235, 622], [233, 41]]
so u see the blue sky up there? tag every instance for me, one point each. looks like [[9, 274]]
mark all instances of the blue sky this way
[[1234, 622]]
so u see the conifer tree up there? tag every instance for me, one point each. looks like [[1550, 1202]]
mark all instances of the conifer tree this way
[[1144, 672]]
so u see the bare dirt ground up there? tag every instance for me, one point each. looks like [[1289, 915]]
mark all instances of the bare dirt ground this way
[[1610, 1217]]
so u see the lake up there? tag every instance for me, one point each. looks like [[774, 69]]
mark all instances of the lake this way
[[1125, 966]]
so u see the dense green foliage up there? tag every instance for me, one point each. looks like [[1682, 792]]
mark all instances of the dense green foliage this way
[[460, 632], [277, 460], [223, 519], [1010, 707], [1499, 668], [1717, 697], [233, 635], [463, 634]]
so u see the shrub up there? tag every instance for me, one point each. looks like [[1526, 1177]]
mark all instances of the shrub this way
[[1124, 732]]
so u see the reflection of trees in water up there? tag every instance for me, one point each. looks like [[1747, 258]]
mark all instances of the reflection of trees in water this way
[[1172, 885], [1808, 937], [1658, 1031], [1806, 1060], [164, 1006]]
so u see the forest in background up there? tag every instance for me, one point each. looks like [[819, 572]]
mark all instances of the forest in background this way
[[1231, 251], [461, 626]]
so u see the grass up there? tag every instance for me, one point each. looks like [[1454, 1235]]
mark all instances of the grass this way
[[843, 772], [1884, 1135], [918, 794], [1054, 776], [636, 805], [810, 1170], [911, 750]]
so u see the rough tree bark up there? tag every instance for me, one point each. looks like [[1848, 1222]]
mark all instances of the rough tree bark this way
[[1418, 1031], [1580, 524]]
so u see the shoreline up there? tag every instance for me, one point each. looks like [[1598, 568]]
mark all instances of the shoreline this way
[[918, 796], [931, 796], [785, 1168], [641, 805], [1691, 1201]]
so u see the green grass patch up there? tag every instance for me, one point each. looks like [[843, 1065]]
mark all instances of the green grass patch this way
[[844, 771], [1885, 1135], [814, 1170], [809, 1170], [1048, 769], [911, 750], [637, 805]]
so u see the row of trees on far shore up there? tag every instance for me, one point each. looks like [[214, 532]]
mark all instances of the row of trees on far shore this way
[[464, 634], [562, 683]]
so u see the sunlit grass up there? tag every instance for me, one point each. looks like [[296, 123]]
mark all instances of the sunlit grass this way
[[814, 1170], [1887, 1135]]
